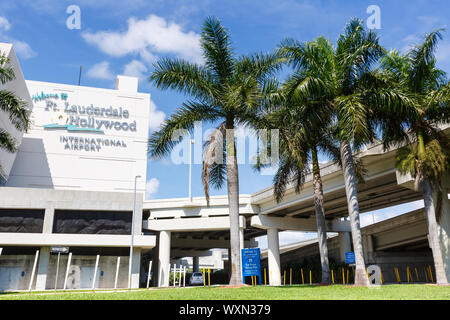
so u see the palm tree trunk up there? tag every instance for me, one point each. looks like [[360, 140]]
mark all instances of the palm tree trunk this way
[[320, 218], [233, 204], [433, 236], [348, 168]]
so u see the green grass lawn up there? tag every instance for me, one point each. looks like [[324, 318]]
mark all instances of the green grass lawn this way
[[335, 292]]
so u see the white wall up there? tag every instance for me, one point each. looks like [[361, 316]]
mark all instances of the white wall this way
[[45, 160], [19, 87]]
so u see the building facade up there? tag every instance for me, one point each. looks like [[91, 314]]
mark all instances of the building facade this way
[[71, 186]]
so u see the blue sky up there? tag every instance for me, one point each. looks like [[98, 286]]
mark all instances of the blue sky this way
[[126, 37]]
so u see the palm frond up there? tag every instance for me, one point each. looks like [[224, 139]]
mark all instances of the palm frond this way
[[161, 142], [6, 71], [7, 142], [217, 50], [184, 77], [17, 110], [214, 160], [423, 60]]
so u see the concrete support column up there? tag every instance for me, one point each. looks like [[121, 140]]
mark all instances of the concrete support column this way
[[48, 220], [444, 235], [345, 244], [273, 257], [241, 246], [44, 254], [444, 225], [369, 249], [241, 239], [229, 264], [164, 259], [41, 277], [195, 264], [136, 268]]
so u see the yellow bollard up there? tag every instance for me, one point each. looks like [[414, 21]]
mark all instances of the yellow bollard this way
[[303, 280], [407, 274], [265, 282], [343, 276], [310, 277], [348, 271], [425, 272], [381, 276], [209, 278], [397, 275], [332, 276], [204, 277], [284, 278], [431, 273], [417, 274], [290, 277]]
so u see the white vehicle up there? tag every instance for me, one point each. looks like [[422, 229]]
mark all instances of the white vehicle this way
[[196, 278]]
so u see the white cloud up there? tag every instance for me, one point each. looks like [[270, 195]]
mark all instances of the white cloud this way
[[135, 69], [151, 187], [147, 37], [156, 117], [22, 48], [4, 24], [100, 71]]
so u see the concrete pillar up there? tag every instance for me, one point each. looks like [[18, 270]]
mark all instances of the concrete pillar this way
[[41, 277], [164, 258], [155, 264], [241, 239], [370, 249], [229, 264], [195, 264], [345, 244], [273, 257], [136, 268], [48, 220], [241, 246], [444, 232]]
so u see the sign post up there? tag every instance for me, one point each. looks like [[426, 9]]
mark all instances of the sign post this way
[[349, 257], [58, 250], [251, 263], [350, 260]]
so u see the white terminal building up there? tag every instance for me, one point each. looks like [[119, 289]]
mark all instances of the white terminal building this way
[[71, 186]]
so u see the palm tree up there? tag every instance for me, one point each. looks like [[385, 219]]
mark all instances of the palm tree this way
[[427, 154], [305, 129], [16, 108], [227, 90], [346, 83]]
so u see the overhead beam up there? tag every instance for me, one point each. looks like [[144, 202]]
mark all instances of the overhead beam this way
[[205, 243], [287, 223], [190, 253], [191, 224]]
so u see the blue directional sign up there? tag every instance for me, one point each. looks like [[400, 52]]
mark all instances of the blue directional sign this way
[[251, 263], [349, 257]]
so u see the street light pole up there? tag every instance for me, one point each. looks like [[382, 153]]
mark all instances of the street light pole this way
[[132, 233]]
